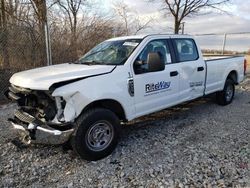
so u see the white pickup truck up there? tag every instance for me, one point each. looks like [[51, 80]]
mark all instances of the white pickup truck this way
[[84, 102]]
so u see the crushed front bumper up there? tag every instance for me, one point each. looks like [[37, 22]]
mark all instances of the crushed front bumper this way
[[30, 130]]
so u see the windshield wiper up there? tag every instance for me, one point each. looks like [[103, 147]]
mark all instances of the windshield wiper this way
[[92, 63], [88, 62], [76, 62]]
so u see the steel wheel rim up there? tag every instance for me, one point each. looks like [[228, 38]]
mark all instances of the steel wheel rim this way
[[99, 135], [229, 92]]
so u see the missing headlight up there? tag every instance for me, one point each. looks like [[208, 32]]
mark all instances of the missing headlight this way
[[60, 105]]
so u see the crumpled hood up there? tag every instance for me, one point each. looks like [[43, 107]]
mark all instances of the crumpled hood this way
[[42, 78]]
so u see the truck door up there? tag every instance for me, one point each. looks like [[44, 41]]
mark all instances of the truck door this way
[[155, 90], [192, 69]]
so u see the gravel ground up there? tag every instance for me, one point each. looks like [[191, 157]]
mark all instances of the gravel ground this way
[[198, 144]]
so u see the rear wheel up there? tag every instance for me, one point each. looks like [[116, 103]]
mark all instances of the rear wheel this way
[[226, 96], [96, 134]]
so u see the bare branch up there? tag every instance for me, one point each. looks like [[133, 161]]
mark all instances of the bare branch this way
[[132, 22], [180, 9]]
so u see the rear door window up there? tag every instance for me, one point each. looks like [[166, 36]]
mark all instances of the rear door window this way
[[186, 49]]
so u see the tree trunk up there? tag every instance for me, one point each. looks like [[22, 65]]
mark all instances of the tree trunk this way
[[176, 26], [74, 38], [43, 20], [41, 12], [4, 33]]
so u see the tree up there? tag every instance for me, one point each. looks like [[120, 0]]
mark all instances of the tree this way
[[180, 9], [4, 34], [132, 22], [75, 27], [71, 8], [41, 12]]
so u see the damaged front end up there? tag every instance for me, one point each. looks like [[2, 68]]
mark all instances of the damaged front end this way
[[39, 117]]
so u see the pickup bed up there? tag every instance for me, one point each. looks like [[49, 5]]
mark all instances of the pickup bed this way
[[84, 102]]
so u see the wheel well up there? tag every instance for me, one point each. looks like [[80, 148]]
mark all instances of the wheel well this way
[[233, 76], [110, 104]]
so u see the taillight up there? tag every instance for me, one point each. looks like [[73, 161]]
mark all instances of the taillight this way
[[245, 66]]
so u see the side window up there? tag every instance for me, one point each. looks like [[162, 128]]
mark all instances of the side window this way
[[187, 50], [159, 46]]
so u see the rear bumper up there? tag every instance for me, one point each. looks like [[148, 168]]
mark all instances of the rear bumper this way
[[33, 132]]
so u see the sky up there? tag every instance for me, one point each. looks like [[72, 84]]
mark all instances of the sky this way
[[236, 20]]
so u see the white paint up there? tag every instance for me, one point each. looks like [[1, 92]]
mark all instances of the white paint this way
[[114, 85], [42, 78]]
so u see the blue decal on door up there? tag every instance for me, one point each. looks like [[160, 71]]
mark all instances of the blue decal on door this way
[[153, 87]]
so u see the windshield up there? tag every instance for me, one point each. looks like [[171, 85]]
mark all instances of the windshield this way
[[110, 52]]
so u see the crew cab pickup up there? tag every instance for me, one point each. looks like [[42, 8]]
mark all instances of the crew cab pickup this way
[[84, 102]]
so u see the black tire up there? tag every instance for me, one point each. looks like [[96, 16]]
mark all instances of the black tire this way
[[226, 96], [85, 137]]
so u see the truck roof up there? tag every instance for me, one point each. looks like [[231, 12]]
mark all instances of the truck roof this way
[[148, 35]]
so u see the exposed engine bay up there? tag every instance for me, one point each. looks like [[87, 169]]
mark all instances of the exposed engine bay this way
[[37, 103], [39, 112]]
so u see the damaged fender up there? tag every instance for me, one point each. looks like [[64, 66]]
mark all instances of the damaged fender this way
[[74, 105]]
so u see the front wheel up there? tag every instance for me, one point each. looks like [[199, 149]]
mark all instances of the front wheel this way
[[96, 134], [226, 96]]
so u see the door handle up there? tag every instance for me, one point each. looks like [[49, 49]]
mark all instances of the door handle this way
[[174, 73], [200, 69]]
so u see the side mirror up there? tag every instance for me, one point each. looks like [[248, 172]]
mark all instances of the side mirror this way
[[155, 62]]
